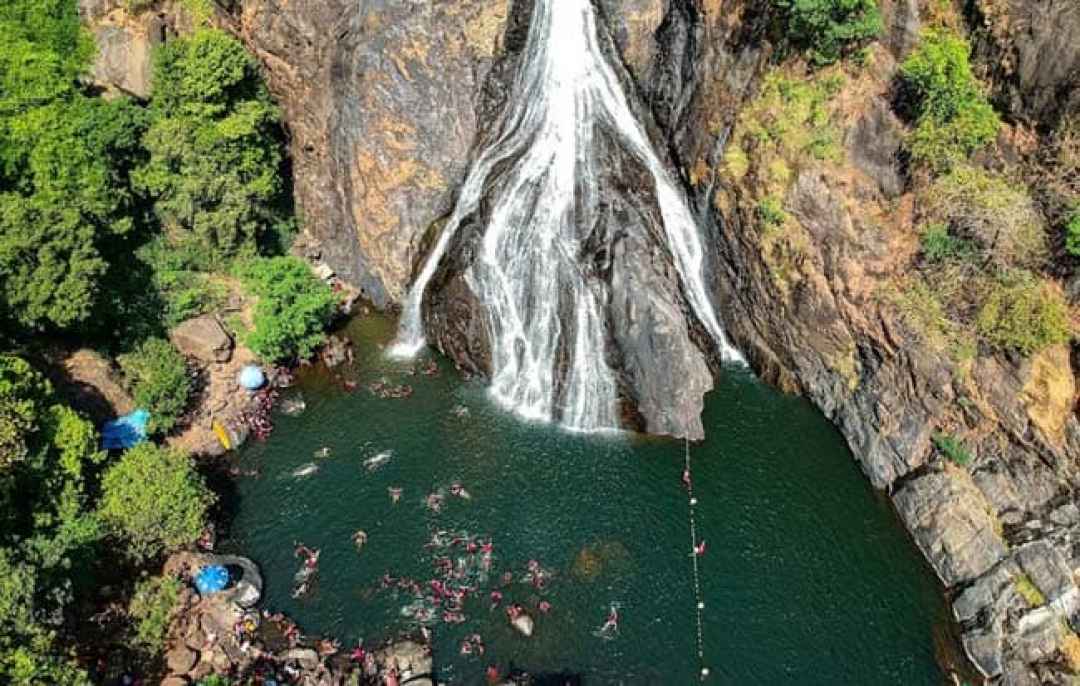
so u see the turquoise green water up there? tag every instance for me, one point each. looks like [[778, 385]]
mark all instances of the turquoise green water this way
[[808, 577]]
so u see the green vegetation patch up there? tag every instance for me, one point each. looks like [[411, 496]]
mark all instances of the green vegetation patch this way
[[214, 155], [991, 213], [953, 117], [938, 245], [65, 199], [1023, 314], [159, 380], [152, 608], [1072, 235], [771, 212], [154, 501], [951, 448], [829, 29], [48, 460], [293, 307], [788, 122]]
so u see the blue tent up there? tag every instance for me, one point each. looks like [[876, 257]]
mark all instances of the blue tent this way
[[211, 579], [252, 378], [125, 431]]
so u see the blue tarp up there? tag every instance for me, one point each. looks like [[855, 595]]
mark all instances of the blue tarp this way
[[252, 378], [126, 431], [211, 579]]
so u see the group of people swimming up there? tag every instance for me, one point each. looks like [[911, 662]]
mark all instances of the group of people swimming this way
[[257, 416], [385, 390]]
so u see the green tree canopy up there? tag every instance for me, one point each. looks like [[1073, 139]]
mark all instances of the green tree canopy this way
[[215, 154], [293, 307], [154, 500], [64, 164], [47, 455], [158, 376]]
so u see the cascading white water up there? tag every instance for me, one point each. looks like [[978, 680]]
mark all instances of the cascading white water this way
[[528, 273]]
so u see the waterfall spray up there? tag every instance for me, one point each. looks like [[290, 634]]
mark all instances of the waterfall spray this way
[[528, 273]]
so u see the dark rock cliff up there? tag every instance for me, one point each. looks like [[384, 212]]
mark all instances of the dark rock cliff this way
[[379, 98], [385, 101]]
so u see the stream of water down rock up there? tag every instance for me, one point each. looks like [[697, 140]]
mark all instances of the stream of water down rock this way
[[544, 301]]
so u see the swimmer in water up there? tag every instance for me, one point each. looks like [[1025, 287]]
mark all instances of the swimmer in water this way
[[699, 549], [359, 538], [544, 606], [496, 598], [611, 624], [395, 494], [686, 479]]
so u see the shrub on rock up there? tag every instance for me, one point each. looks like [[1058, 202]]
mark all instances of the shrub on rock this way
[[826, 29], [152, 608], [952, 116], [1023, 314]]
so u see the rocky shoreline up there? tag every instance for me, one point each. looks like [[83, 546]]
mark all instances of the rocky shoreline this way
[[226, 634]]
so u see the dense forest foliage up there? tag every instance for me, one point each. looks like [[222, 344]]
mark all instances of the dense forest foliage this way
[[118, 220]]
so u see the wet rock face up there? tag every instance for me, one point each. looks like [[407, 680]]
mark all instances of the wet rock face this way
[[622, 246], [379, 101]]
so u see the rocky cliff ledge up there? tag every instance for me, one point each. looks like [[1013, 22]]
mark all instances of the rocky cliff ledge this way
[[812, 297], [383, 101]]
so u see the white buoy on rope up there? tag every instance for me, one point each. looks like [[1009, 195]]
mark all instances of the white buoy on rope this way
[[694, 555]]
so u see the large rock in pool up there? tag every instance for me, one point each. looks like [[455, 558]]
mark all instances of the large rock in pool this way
[[524, 624]]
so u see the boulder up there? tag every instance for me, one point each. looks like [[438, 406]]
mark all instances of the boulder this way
[[175, 680], [524, 624], [984, 650], [951, 523], [875, 145], [307, 658], [987, 595], [1018, 37], [202, 338], [181, 659], [88, 381], [248, 587], [412, 659], [124, 45], [1047, 569], [335, 352]]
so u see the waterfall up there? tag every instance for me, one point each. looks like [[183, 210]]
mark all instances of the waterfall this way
[[528, 273]]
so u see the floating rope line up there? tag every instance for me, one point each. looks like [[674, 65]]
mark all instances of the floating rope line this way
[[700, 607]]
